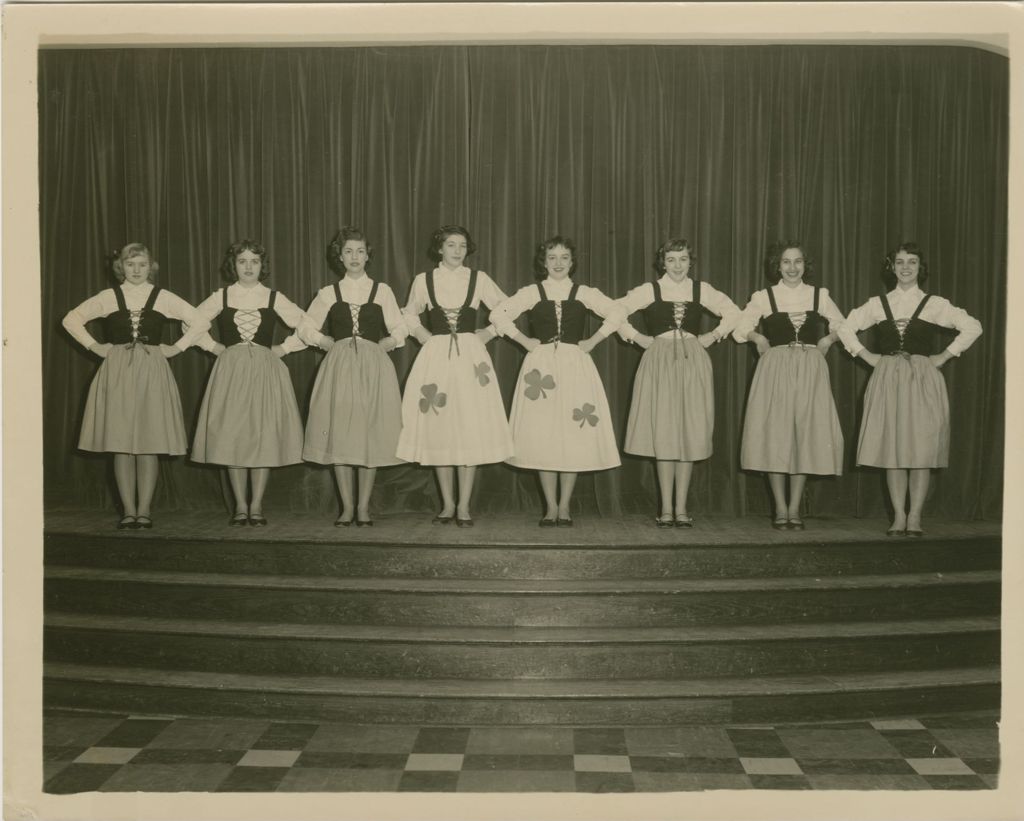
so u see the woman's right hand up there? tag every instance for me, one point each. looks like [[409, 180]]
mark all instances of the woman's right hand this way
[[644, 341], [218, 349], [761, 343], [530, 343], [101, 349], [871, 358], [326, 343]]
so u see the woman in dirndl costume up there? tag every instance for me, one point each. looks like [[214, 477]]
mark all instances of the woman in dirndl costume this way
[[905, 425], [249, 419], [561, 423], [453, 416], [355, 412], [133, 409], [791, 427], [672, 414]]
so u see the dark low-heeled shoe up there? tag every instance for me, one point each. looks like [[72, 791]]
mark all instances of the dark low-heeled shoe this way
[[340, 522], [239, 520], [463, 522], [564, 522], [257, 520], [683, 520], [663, 521], [796, 524], [895, 531], [442, 520], [780, 523], [127, 523], [547, 523], [143, 523], [917, 534], [364, 522]]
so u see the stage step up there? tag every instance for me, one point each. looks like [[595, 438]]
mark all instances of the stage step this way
[[588, 653], [673, 556], [446, 702], [482, 602]]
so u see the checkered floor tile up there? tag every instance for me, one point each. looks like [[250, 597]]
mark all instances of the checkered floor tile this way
[[84, 753]]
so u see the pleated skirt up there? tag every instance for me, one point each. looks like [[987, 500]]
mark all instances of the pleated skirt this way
[[906, 416], [355, 411], [249, 416], [133, 405], [452, 412], [560, 417], [672, 413], [791, 424]]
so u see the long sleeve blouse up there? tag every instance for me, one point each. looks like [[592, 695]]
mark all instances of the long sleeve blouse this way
[[789, 300], [711, 298], [135, 297], [450, 287], [504, 315], [903, 303], [251, 298], [354, 292]]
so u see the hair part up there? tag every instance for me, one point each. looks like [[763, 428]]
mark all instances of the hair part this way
[[133, 249], [673, 245], [540, 268], [227, 265], [337, 245], [438, 238], [889, 266], [772, 269]]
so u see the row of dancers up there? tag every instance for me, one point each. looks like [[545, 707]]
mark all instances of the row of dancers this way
[[451, 415]]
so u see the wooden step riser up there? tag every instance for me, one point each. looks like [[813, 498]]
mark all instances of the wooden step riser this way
[[481, 562], [446, 660], [428, 710], [385, 607]]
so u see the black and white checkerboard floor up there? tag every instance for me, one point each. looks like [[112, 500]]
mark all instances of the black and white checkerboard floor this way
[[86, 753]]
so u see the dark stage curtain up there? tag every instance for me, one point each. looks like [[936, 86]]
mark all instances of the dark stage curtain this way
[[849, 148]]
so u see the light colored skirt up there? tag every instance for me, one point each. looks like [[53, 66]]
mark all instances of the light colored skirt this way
[[133, 405], [791, 424], [452, 413], [355, 412], [906, 416], [672, 415], [249, 416], [560, 417]]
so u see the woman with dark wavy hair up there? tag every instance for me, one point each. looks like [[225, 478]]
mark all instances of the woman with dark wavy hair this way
[[672, 413], [561, 423], [249, 419], [355, 411], [791, 428], [453, 416], [133, 409], [905, 425]]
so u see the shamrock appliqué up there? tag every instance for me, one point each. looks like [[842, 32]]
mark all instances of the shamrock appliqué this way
[[536, 384], [432, 400], [481, 369], [585, 414]]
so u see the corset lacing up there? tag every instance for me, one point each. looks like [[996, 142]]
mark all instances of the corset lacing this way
[[451, 315], [558, 324], [901, 329], [247, 320], [135, 317], [354, 310], [678, 315], [797, 319]]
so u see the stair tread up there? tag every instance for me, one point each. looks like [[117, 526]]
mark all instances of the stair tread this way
[[524, 635], [528, 688], [525, 587]]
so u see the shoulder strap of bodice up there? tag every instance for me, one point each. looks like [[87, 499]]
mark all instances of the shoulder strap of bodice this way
[[152, 299], [119, 296], [771, 300], [572, 293], [920, 306], [471, 289]]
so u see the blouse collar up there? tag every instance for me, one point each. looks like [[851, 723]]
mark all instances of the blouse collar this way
[[914, 293]]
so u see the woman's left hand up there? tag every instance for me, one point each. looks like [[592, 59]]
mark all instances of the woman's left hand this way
[[484, 335], [707, 340], [939, 359], [278, 351], [169, 351], [587, 345], [387, 344], [824, 344]]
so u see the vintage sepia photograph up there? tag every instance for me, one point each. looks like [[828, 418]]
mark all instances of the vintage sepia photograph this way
[[510, 410]]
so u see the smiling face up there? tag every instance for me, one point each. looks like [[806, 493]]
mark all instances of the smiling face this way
[[558, 262], [907, 268], [354, 257], [791, 267], [248, 266], [136, 269], [453, 251], [677, 264]]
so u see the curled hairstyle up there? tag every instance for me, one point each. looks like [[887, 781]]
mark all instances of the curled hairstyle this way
[[227, 265], [441, 234], [772, 271], [540, 256], [674, 245], [889, 266], [336, 245], [132, 249]]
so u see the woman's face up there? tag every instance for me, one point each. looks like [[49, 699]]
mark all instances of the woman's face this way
[[354, 256], [791, 267], [906, 267], [558, 262], [248, 266], [136, 269], [677, 264], [453, 250]]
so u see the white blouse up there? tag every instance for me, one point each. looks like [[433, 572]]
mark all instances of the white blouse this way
[[711, 298], [135, 297], [450, 287], [505, 314], [354, 292], [789, 300], [251, 299], [903, 303]]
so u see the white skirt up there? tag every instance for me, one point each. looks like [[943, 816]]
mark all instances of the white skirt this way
[[452, 413], [560, 418]]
